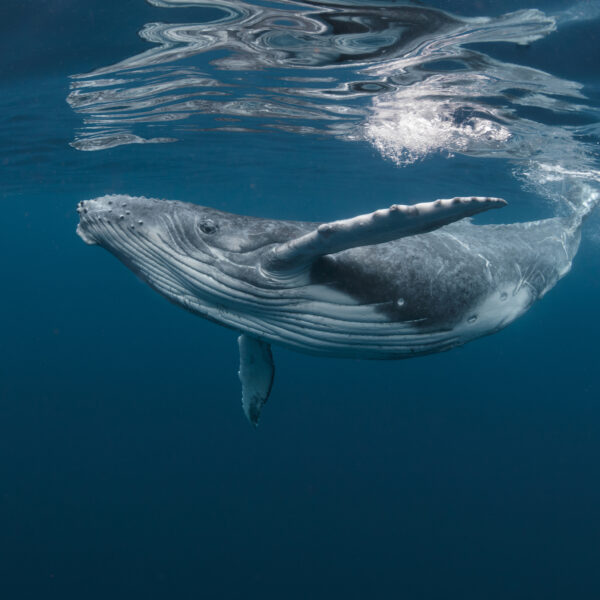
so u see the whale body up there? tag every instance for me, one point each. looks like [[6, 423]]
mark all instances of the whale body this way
[[396, 283]]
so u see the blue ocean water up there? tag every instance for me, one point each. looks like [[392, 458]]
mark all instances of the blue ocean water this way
[[128, 469]]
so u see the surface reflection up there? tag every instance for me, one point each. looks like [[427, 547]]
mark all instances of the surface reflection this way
[[405, 78]]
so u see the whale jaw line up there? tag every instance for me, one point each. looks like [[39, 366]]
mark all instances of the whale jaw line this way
[[85, 236]]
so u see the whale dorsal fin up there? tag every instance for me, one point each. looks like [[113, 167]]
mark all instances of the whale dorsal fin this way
[[383, 225], [256, 374]]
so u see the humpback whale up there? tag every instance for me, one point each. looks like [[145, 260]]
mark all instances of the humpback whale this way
[[399, 282]]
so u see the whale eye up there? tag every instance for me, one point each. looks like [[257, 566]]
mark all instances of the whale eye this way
[[208, 226]]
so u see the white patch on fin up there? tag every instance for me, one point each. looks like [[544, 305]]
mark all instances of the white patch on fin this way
[[381, 226], [256, 374]]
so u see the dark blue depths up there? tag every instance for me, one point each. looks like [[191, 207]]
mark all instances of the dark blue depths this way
[[127, 468]]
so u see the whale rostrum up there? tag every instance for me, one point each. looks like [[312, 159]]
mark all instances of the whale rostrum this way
[[399, 282]]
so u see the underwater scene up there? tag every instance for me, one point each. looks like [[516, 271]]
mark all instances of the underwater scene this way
[[299, 299]]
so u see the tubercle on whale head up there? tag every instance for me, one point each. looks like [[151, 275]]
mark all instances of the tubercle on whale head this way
[[189, 228], [105, 218], [99, 217], [167, 244]]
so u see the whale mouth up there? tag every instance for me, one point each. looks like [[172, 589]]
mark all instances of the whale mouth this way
[[80, 231], [82, 210]]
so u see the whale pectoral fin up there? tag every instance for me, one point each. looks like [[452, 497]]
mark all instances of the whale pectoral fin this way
[[383, 225], [256, 374]]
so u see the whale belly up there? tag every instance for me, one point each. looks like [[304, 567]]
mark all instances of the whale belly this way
[[418, 295]]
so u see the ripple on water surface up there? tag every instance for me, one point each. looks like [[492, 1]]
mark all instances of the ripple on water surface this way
[[405, 78]]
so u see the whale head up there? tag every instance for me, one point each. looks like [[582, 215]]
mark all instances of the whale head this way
[[115, 221], [176, 247]]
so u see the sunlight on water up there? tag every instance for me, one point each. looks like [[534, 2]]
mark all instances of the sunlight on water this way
[[405, 78]]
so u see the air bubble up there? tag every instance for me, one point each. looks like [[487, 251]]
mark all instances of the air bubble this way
[[503, 296], [472, 319], [400, 302]]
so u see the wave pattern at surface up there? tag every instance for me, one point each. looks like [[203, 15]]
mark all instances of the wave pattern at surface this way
[[405, 78]]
